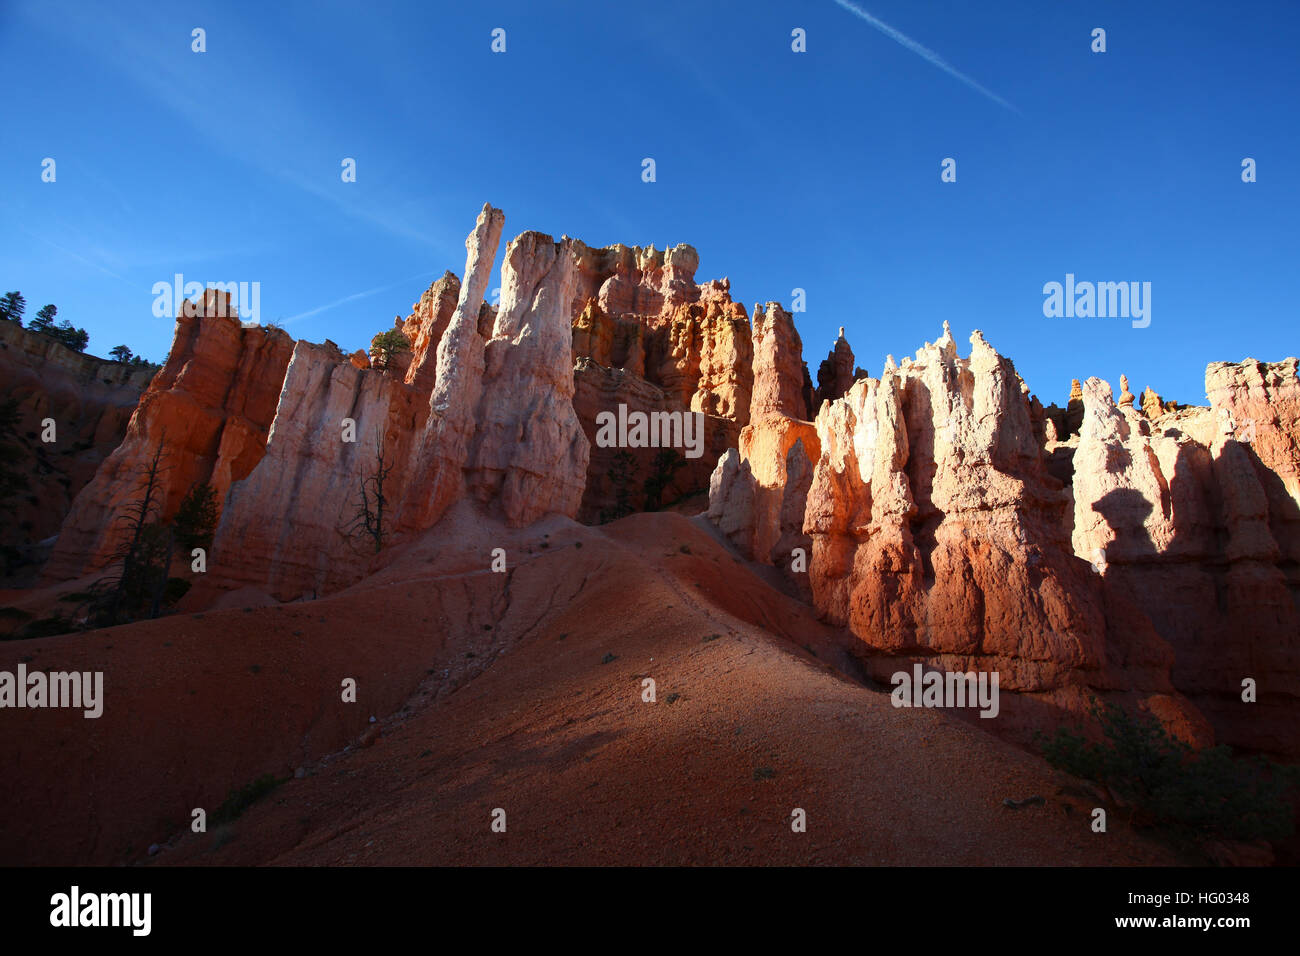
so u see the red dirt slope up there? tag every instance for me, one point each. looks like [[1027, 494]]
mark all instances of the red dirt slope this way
[[747, 726]]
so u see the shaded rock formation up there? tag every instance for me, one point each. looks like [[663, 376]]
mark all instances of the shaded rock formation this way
[[617, 477], [731, 500], [676, 346], [836, 374], [90, 400], [1067, 421], [1150, 554], [1197, 513], [939, 537]]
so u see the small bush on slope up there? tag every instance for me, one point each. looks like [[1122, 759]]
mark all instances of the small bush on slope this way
[[1205, 793]]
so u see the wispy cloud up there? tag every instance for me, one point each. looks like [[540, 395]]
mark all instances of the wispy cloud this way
[[276, 127], [924, 53], [77, 256], [354, 297]]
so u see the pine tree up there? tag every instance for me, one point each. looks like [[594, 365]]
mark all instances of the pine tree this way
[[121, 353], [13, 474], [12, 306], [75, 339], [145, 555], [12, 478], [196, 518], [387, 344], [44, 320]]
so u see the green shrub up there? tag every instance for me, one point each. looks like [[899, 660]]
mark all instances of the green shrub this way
[[196, 518], [620, 475], [387, 344], [666, 464], [1167, 783], [240, 800], [175, 589]]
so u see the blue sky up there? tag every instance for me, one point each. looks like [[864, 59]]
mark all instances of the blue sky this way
[[818, 170]]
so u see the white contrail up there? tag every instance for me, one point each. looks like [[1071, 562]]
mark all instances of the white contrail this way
[[351, 298], [925, 54]]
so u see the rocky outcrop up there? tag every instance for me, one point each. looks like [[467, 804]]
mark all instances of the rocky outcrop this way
[[290, 528], [836, 374], [1152, 406], [1148, 555], [726, 379], [496, 424], [529, 456], [676, 347], [1258, 403], [631, 280], [776, 439], [1067, 421], [425, 326], [485, 404], [210, 407], [443, 447], [1126, 397], [90, 401], [731, 500], [778, 366], [623, 480], [940, 538], [1197, 513]]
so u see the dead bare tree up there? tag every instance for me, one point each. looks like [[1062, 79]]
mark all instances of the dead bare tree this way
[[367, 520]]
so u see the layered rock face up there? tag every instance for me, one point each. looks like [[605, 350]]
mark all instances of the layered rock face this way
[[647, 337], [494, 422], [486, 404], [778, 425], [756, 496], [294, 436], [940, 537], [1197, 512], [425, 326], [623, 480], [90, 401], [530, 454], [288, 527], [1148, 559], [210, 407]]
